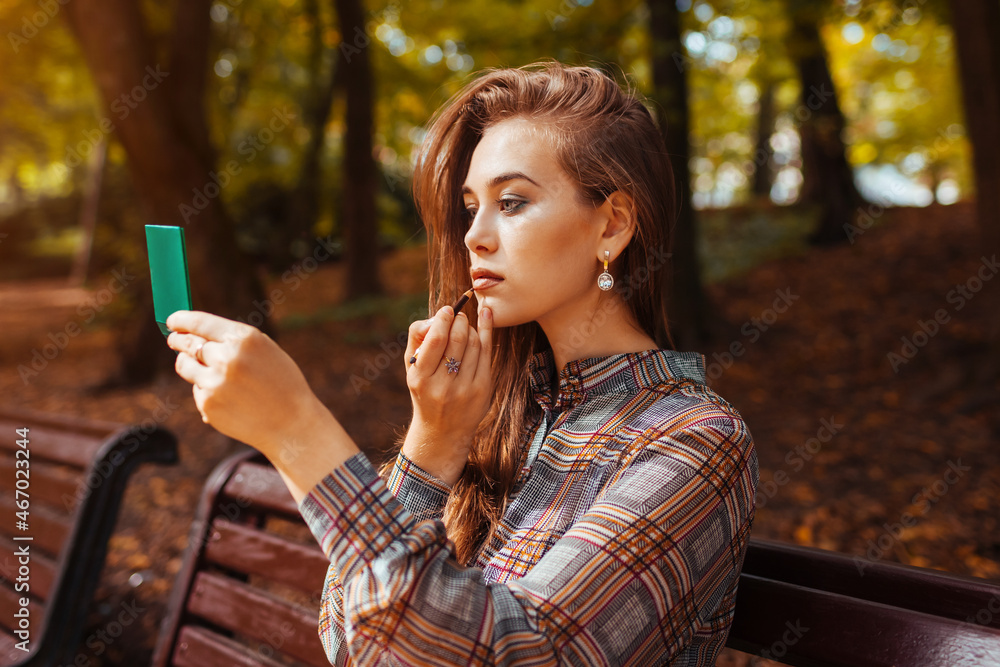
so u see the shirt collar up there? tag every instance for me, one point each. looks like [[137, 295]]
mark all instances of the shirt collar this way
[[623, 373]]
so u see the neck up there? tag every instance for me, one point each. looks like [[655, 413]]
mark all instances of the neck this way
[[598, 330]]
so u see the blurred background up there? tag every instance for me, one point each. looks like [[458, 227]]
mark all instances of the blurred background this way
[[835, 252]]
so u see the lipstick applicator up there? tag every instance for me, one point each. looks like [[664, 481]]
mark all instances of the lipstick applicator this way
[[462, 300]]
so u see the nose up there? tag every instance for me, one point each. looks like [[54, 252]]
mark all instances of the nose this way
[[481, 237]]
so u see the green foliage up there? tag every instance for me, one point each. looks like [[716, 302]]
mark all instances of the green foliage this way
[[900, 90], [903, 108], [47, 103], [900, 96]]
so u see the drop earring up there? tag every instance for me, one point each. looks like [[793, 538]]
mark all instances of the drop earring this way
[[605, 281]]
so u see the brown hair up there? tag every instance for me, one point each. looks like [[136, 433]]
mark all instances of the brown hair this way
[[605, 140]]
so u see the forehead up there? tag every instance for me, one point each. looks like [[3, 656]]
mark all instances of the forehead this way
[[517, 144]]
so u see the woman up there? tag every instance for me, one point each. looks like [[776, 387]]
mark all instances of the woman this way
[[570, 492]]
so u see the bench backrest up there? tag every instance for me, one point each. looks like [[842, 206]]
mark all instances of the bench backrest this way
[[250, 584], [249, 589], [806, 606], [61, 484]]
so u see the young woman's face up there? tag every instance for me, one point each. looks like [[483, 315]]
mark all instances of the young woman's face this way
[[528, 226]]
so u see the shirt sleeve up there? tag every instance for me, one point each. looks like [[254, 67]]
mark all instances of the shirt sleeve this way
[[419, 492], [650, 563], [423, 494]]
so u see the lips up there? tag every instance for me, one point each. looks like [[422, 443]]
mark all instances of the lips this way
[[483, 279], [479, 284]]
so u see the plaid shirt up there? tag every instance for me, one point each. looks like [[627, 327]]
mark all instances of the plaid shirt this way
[[621, 543]]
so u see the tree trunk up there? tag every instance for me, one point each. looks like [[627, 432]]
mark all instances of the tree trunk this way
[[976, 25], [88, 213], [360, 226], [761, 187], [157, 113], [828, 180], [686, 304], [304, 200]]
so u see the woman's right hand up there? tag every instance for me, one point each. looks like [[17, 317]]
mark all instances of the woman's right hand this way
[[447, 406]]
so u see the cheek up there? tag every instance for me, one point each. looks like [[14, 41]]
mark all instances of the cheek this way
[[550, 263], [546, 245]]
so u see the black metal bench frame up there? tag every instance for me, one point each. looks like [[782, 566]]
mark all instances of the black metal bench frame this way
[[104, 454]]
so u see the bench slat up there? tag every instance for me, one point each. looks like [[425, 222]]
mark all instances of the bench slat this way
[[43, 569], [47, 485], [920, 589], [26, 417], [198, 647], [9, 653], [253, 613], [52, 444], [9, 604], [48, 530], [263, 487], [249, 551], [802, 626]]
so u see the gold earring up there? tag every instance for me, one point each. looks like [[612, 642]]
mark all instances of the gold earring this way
[[605, 281]]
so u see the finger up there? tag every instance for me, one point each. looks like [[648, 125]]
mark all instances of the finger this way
[[417, 333], [187, 343], [470, 358], [189, 369], [206, 325], [484, 367], [458, 337], [433, 344], [199, 401]]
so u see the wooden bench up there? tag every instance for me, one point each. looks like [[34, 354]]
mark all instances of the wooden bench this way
[[805, 606], [249, 589], [248, 594], [72, 473]]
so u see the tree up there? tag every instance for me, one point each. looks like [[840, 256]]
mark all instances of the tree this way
[[828, 180], [762, 177], [358, 205], [686, 304], [304, 200], [976, 24], [159, 118], [277, 211]]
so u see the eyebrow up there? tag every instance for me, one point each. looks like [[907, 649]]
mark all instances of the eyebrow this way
[[502, 178]]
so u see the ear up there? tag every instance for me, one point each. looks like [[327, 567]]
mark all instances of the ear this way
[[620, 222]]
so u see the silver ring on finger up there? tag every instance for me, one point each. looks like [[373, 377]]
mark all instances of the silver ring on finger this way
[[452, 364], [198, 353]]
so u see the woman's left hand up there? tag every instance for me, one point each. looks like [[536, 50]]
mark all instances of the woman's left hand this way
[[244, 384]]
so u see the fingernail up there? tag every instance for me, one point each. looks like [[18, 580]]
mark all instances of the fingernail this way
[[487, 313]]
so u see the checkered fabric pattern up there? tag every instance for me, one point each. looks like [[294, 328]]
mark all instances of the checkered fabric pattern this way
[[621, 543]]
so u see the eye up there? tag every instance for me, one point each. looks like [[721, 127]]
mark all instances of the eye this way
[[507, 205]]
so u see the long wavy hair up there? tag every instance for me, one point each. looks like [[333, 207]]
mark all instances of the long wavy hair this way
[[606, 140]]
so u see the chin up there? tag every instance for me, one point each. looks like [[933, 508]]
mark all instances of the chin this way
[[504, 315], [501, 318]]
